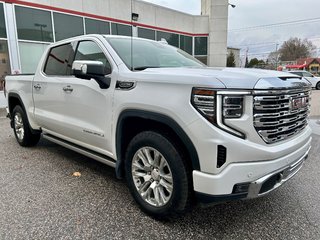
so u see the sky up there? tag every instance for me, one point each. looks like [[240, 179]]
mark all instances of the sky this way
[[249, 13]]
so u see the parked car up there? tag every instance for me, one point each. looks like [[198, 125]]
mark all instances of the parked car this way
[[176, 129], [315, 81]]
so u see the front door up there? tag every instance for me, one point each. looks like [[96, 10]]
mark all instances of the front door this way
[[72, 108]]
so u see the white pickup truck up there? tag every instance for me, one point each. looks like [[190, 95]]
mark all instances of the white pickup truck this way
[[177, 130]]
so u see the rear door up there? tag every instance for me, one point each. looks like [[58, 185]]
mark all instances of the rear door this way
[[48, 94]]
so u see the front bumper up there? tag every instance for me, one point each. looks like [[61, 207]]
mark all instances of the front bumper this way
[[248, 180]]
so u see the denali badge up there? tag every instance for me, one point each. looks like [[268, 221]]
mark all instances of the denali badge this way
[[297, 103]]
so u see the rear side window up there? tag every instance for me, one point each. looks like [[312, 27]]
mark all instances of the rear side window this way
[[59, 61]]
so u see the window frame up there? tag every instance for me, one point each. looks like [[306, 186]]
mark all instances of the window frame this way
[[166, 32], [5, 21], [194, 47], [91, 40], [47, 57], [69, 15], [151, 29], [123, 24], [96, 19], [186, 36], [36, 9], [75, 44], [32, 42]]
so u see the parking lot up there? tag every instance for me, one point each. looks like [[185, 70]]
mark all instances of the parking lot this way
[[40, 199]]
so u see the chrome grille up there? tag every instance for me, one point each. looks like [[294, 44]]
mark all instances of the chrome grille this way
[[275, 116]]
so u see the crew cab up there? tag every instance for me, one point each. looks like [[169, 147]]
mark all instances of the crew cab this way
[[176, 130]]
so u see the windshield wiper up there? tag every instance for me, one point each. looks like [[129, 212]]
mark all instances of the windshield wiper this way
[[144, 67]]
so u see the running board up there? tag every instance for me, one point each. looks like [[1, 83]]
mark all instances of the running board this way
[[89, 153]]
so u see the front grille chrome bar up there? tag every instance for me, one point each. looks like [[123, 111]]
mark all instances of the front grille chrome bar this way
[[277, 117]]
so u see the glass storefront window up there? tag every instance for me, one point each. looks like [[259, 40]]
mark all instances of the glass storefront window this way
[[120, 29], [29, 64], [95, 26], [67, 26], [146, 33], [203, 59], [186, 43], [4, 62], [201, 46], [172, 39], [3, 33], [33, 24]]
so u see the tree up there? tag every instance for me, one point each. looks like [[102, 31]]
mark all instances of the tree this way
[[247, 62], [273, 60], [231, 62], [255, 63], [295, 48]]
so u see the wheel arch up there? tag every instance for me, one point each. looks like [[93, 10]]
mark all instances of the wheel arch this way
[[14, 100], [149, 121]]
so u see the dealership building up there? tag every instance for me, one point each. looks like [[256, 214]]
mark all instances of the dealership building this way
[[28, 26]]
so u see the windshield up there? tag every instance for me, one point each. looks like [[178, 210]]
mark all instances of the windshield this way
[[149, 54]]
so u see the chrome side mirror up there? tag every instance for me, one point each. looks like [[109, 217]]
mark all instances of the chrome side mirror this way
[[84, 69]]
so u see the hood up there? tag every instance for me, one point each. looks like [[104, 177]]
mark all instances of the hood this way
[[233, 78]]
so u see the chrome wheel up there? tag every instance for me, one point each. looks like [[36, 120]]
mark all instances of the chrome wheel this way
[[152, 176], [18, 126]]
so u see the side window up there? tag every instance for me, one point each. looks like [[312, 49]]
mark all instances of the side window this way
[[298, 73], [306, 74], [59, 61], [88, 50]]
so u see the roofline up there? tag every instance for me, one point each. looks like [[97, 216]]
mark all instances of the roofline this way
[[170, 9], [84, 14]]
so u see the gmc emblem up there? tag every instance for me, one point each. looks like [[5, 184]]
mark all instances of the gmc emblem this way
[[297, 103]]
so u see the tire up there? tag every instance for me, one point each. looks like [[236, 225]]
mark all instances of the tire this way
[[318, 86], [164, 180], [22, 130]]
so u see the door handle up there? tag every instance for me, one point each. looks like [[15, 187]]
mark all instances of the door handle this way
[[68, 89], [37, 86]]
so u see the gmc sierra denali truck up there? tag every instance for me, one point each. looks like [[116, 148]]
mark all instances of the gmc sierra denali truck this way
[[178, 131]]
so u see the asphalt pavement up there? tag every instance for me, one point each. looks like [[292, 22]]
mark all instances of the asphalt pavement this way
[[40, 199], [3, 102]]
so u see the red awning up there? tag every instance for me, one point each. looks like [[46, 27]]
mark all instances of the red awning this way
[[296, 66]]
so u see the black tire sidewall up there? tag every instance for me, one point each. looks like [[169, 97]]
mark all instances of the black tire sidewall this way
[[318, 86], [29, 139], [180, 193], [19, 110]]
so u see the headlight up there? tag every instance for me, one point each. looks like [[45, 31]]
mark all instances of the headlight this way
[[219, 106], [204, 101], [232, 106]]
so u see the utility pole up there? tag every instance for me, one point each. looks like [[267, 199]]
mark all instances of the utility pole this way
[[246, 57], [277, 55]]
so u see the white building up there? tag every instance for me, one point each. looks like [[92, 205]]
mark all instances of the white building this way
[[28, 26]]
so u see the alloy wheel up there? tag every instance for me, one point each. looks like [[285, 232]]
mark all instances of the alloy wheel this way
[[152, 176]]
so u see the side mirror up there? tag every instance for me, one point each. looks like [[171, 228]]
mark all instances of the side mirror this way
[[92, 69]]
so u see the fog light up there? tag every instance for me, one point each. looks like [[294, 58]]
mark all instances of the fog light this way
[[241, 188]]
